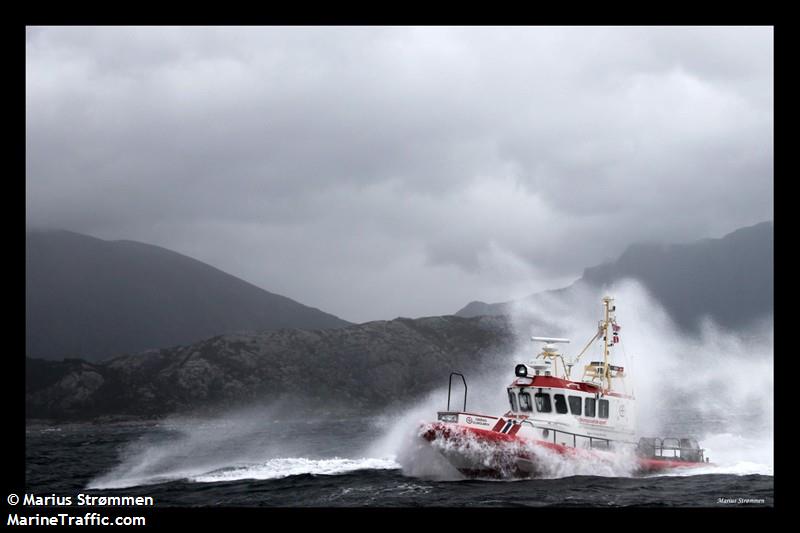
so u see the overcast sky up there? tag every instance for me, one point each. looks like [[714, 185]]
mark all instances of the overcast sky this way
[[383, 172]]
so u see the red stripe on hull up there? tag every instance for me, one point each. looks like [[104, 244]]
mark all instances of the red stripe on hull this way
[[499, 425]]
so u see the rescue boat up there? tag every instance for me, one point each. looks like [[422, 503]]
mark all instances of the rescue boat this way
[[551, 415]]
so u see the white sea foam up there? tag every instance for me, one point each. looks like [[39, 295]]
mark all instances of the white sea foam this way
[[272, 469], [293, 466], [542, 461]]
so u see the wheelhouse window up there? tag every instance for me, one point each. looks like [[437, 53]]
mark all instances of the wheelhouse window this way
[[575, 405], [512, 399], [561, 404], [543, 402], [589, 405], [525, 401], [603, 409]]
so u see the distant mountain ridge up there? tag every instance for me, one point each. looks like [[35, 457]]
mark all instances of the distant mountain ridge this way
[[730, 279], [365, 367], [91, 298]]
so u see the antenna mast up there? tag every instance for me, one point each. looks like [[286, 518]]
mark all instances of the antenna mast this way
[[607, 305]]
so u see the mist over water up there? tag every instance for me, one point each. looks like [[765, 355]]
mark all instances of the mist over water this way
[[717, 387]]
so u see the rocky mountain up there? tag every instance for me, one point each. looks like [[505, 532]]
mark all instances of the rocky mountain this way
[[730, 279], [91, 298], [366, 366]]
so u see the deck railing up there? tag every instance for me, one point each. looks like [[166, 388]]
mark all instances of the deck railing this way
[[592, 439], [671, 448]]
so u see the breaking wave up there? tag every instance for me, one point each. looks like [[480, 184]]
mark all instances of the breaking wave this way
[[245, 444], [295, 466]]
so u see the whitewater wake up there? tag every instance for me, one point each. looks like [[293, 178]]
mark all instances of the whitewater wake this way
[[277, 468], [295, 466]]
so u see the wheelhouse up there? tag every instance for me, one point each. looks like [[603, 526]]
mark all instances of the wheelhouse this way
[[533, 401]]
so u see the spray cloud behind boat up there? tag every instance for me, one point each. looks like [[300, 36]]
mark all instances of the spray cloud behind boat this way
[[685, 384]]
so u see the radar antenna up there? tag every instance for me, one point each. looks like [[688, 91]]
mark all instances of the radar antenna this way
[[550, 351]]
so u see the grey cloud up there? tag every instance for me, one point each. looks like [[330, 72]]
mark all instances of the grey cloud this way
[[376, 172]]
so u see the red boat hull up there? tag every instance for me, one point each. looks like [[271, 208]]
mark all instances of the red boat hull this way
[[507, 451]]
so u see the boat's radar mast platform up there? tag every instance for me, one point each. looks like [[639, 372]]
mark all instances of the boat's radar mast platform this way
[[598, 372]]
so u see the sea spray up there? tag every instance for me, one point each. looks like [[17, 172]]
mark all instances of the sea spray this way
[[263, 442], [718, 382], [400, 441], [712, 385]]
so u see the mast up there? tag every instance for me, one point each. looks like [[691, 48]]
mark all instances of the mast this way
[[607, 328], [606, 378]]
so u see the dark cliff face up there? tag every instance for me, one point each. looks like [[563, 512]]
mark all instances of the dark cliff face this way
[[730, 279], [94, 299], [367, 366]]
